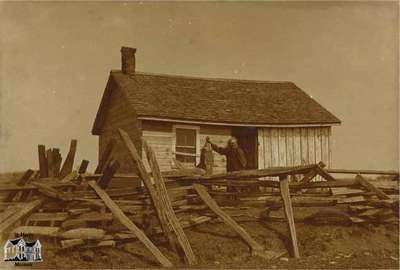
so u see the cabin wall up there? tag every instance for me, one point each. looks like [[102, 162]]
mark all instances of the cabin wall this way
[[119, 115], [160, 137], [293, 146]]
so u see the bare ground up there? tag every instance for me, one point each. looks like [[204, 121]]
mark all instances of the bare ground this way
[[216, 246]]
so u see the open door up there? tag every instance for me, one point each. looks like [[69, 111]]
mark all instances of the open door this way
[[247, 140]]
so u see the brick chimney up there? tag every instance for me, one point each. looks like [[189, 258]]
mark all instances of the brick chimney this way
[[128, 60]]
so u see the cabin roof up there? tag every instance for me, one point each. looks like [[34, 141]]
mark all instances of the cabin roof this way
[[227, 101]]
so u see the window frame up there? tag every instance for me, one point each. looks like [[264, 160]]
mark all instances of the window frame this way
[[191, 127]]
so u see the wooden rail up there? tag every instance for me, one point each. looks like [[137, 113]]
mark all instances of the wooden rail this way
[[118, 214], [377, 172]]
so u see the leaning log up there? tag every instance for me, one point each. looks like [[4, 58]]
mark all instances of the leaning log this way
[[363, 182], [83, 167], [108, 174], [105, 157], [256, 248], [22, 181], [130, 225], [284, 188], [7, 221], [311, 174], [168, 211], [57, 161], [50, 162], [322, 172], [155, 199], [69, 160], [42, 161]]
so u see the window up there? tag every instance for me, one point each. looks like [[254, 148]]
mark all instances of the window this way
[[186, 144]]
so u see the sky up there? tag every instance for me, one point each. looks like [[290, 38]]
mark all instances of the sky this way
[[55, 59]]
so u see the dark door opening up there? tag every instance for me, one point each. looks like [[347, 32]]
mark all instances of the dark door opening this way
[[247, 140]]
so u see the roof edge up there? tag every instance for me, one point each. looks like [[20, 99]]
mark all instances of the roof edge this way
[[198, 77], [100, 111], [165, 119], [98, 122]]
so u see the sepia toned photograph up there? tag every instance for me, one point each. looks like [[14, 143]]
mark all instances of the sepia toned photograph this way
[[199, 134]]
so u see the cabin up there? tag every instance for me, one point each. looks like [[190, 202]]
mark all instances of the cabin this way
[[275, 123]]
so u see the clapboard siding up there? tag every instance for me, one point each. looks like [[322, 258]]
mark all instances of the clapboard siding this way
[[161, 143], [293, 146], [159, 135]]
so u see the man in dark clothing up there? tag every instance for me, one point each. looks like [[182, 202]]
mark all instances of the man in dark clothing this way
[[235, 158]]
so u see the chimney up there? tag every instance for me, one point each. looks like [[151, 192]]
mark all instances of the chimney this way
[[128, 60]]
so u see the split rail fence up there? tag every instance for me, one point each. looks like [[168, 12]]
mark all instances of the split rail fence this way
[[89, 210]]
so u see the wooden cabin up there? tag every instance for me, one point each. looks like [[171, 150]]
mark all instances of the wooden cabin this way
[[276, 123]]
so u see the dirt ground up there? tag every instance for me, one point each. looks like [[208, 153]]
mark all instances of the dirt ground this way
[[216, 246]]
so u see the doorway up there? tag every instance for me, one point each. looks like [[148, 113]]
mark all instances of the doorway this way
[[247, 141]]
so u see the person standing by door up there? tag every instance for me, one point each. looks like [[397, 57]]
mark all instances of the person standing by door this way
[[235, 157]]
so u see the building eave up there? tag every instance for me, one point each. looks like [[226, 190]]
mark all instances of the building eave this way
[[150, 118]]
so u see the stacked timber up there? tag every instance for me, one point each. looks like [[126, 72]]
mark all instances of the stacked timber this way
[[90, 210]]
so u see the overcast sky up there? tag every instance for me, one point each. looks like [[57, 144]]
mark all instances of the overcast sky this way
[[55, 59]]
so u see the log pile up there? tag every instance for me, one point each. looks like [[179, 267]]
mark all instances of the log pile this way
[[82, 210]]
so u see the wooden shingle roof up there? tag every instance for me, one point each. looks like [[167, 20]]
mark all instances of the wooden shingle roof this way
[[224, 101]]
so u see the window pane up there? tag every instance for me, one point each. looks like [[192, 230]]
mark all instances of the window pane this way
[[185, 137], [186, 143]]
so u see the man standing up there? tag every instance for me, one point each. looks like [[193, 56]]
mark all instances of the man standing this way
[[235, 158]]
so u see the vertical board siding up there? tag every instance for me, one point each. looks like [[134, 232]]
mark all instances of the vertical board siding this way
[[311, 145], [282, 147], [261, 149], [325, 145], [265, 150], [274, 147], [304, 146], [268, 148], [296, 147], [277, 146], [289, 147], [318, 145]]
